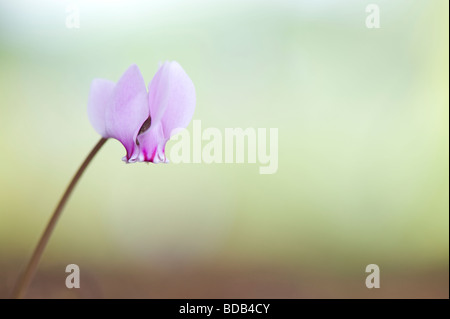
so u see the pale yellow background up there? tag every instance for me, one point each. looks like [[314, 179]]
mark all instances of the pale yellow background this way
[[363, 127]]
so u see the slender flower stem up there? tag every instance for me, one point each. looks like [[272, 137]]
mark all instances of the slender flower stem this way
[[27, 276]]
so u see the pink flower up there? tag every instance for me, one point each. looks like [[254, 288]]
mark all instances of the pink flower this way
[[143, 122]]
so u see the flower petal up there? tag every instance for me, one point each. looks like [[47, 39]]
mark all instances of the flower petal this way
[[99, 99], [128, 110], [172, 103], [152, 145], [171, 98]]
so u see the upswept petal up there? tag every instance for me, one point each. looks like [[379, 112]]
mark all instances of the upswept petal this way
[[99, 99], [171, 100], [128, 110]]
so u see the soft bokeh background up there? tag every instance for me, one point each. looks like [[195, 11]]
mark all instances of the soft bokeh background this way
[[363, 128]]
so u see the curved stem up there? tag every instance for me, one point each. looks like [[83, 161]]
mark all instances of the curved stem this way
[[27, 276]]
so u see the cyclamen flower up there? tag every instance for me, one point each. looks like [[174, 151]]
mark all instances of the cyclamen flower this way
[[143, 122]]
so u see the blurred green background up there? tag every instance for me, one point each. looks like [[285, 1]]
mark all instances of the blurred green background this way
[[363, 128]]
